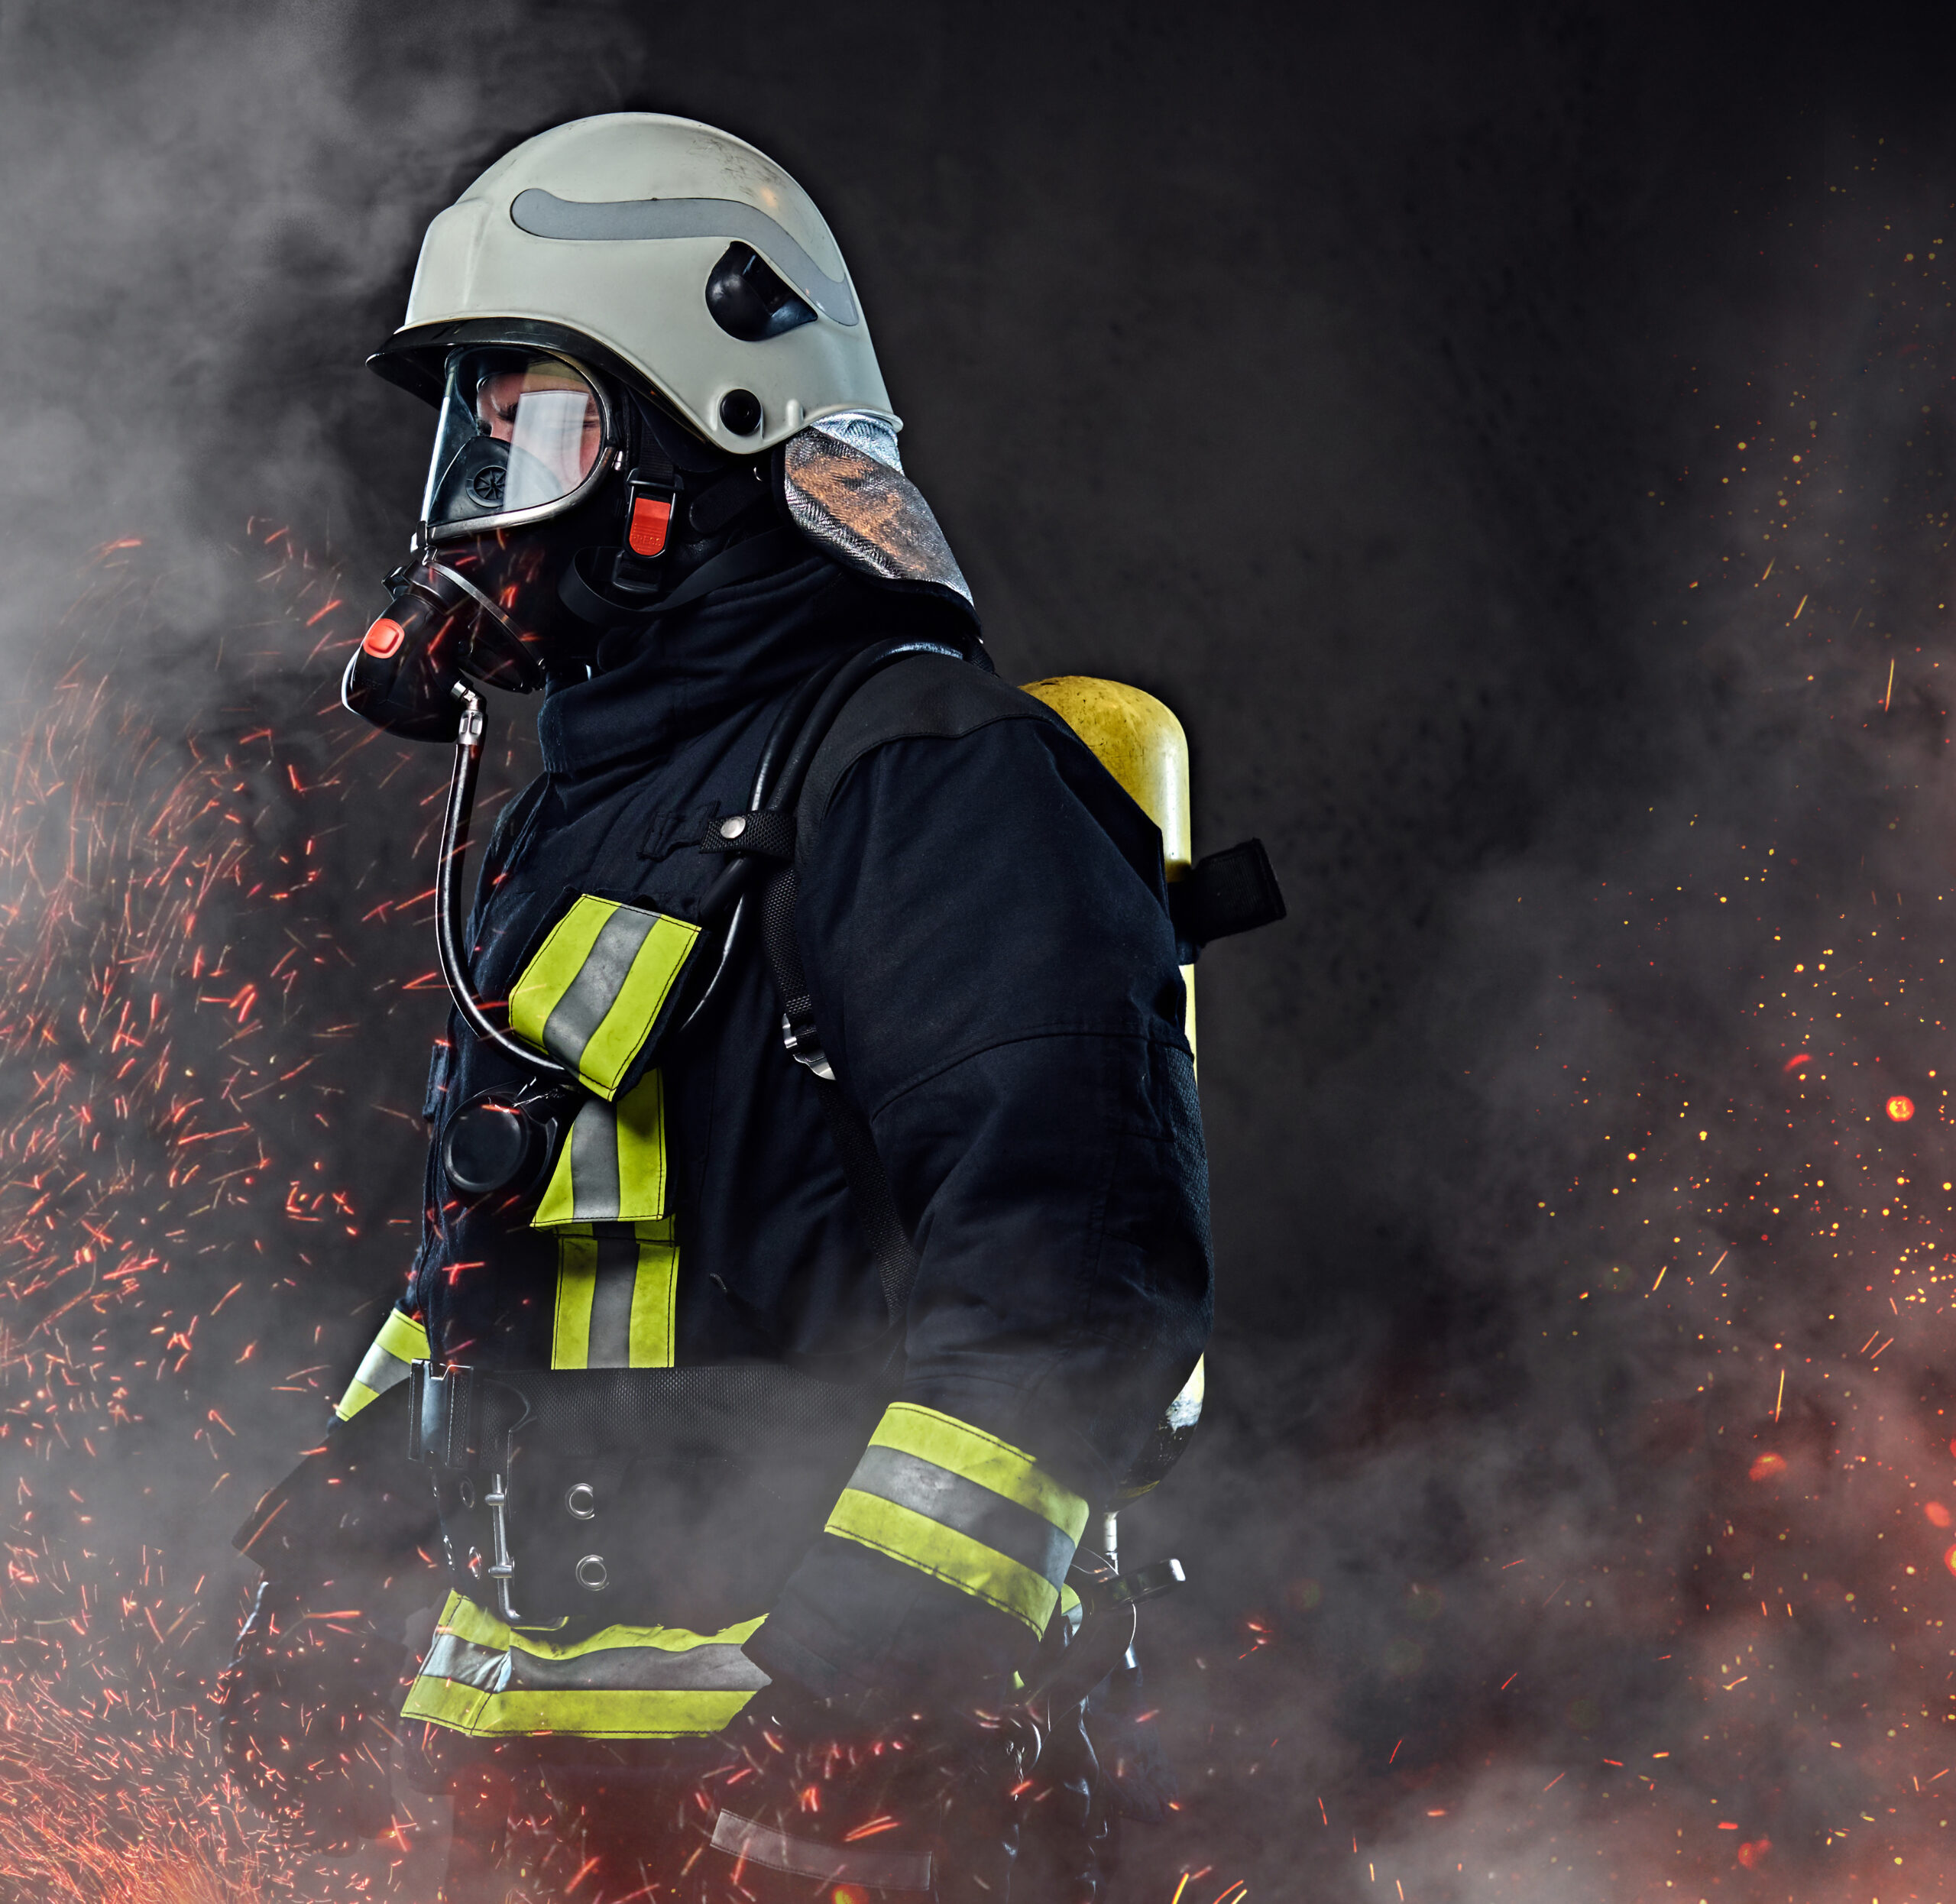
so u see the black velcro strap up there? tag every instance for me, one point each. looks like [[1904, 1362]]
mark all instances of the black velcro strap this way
[[1228, 892], [766, 836]]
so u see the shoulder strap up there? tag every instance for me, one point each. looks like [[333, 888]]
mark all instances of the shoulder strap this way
[[912, 689], [870, 1194], [924, 696], [917, 692]]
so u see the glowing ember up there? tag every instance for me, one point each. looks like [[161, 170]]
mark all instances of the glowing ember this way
[[172, 1103], [1901, 1108]]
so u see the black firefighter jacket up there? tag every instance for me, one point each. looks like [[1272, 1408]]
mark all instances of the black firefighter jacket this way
[[983, 923]]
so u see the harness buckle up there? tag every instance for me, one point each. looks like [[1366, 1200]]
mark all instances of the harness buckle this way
[[803, 1044]]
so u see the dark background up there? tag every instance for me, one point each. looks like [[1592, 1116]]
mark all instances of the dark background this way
[[1411, 397]]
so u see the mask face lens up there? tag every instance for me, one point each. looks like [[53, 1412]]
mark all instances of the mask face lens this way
[[519, 430]]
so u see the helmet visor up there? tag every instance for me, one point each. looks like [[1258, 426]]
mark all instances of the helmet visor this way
[[521, 433]]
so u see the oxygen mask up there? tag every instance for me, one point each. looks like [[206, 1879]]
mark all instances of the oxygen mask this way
[[522, 438]]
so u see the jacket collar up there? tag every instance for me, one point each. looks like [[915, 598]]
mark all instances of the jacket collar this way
[[689, 665]]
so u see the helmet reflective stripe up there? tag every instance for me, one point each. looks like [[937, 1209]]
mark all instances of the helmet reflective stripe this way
[[543, 215], [624, 218], [401, 1340], [480, 1678], [617, 1291]]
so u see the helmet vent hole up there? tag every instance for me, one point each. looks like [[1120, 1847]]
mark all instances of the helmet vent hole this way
[[749, 300]]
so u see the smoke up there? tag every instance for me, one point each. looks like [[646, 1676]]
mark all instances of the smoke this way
[[1412, 400], [1594, 1542]]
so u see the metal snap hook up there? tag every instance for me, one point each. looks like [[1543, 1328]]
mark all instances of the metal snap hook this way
[[581, 1501], [592, 1573]]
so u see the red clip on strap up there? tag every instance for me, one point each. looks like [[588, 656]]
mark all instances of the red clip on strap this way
[[652, 516]]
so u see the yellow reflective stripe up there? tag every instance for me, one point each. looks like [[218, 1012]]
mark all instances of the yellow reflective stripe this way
[[611, 1166], [403, 1337], [401, 1340], [550, 974], [616, 1293], [592, 994], [641, 1127], [622, 1032], [576, 1284], [655, 1297], [997, 1465], [463, 1617], [947, 1555], [650, 1711], [603, 1714]]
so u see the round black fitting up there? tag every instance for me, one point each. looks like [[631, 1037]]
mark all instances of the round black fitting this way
[[740, 411], [487, 1147], [749, 300]]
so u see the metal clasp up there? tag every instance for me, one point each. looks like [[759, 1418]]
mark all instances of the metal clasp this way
[[501, 1569], [801, 1042]]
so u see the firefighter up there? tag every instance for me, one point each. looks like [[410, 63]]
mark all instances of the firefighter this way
[[816, 1225]]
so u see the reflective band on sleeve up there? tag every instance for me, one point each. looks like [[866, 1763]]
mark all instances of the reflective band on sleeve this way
[[401, 1340], [644, 1683], [960, 1504], [616, 1290], [875, 1870], [593, 994], [611, 1168]]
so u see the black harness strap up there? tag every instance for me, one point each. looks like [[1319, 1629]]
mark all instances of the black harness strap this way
[[884, 1233], [936, 693]]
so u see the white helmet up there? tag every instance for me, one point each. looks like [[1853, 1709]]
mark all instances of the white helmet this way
[[693, 260]]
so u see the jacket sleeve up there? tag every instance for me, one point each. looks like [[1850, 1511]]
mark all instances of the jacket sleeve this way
[[402, 1340], [982, 923]]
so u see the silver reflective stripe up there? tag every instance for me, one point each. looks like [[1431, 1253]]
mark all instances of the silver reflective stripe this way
[[593, 992], [380, 1369], [544, 215], [611, 1303], [834, 1863], [594, 1164], [711, 1668], [952, 1501]]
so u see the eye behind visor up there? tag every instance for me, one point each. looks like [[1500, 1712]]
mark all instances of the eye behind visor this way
[[520, 436]]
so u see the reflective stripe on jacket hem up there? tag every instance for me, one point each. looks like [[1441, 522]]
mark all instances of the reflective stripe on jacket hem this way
[[966, 1508], [401, 1340], [650, 1682]]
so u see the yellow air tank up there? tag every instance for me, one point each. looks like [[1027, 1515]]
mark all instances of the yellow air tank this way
[[1141, 744]]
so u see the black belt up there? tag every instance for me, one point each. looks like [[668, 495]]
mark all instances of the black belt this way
[[465, 1419], [678, 1485]]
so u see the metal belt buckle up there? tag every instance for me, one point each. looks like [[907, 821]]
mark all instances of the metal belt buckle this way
[[441, 1413], [502, 1569]]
